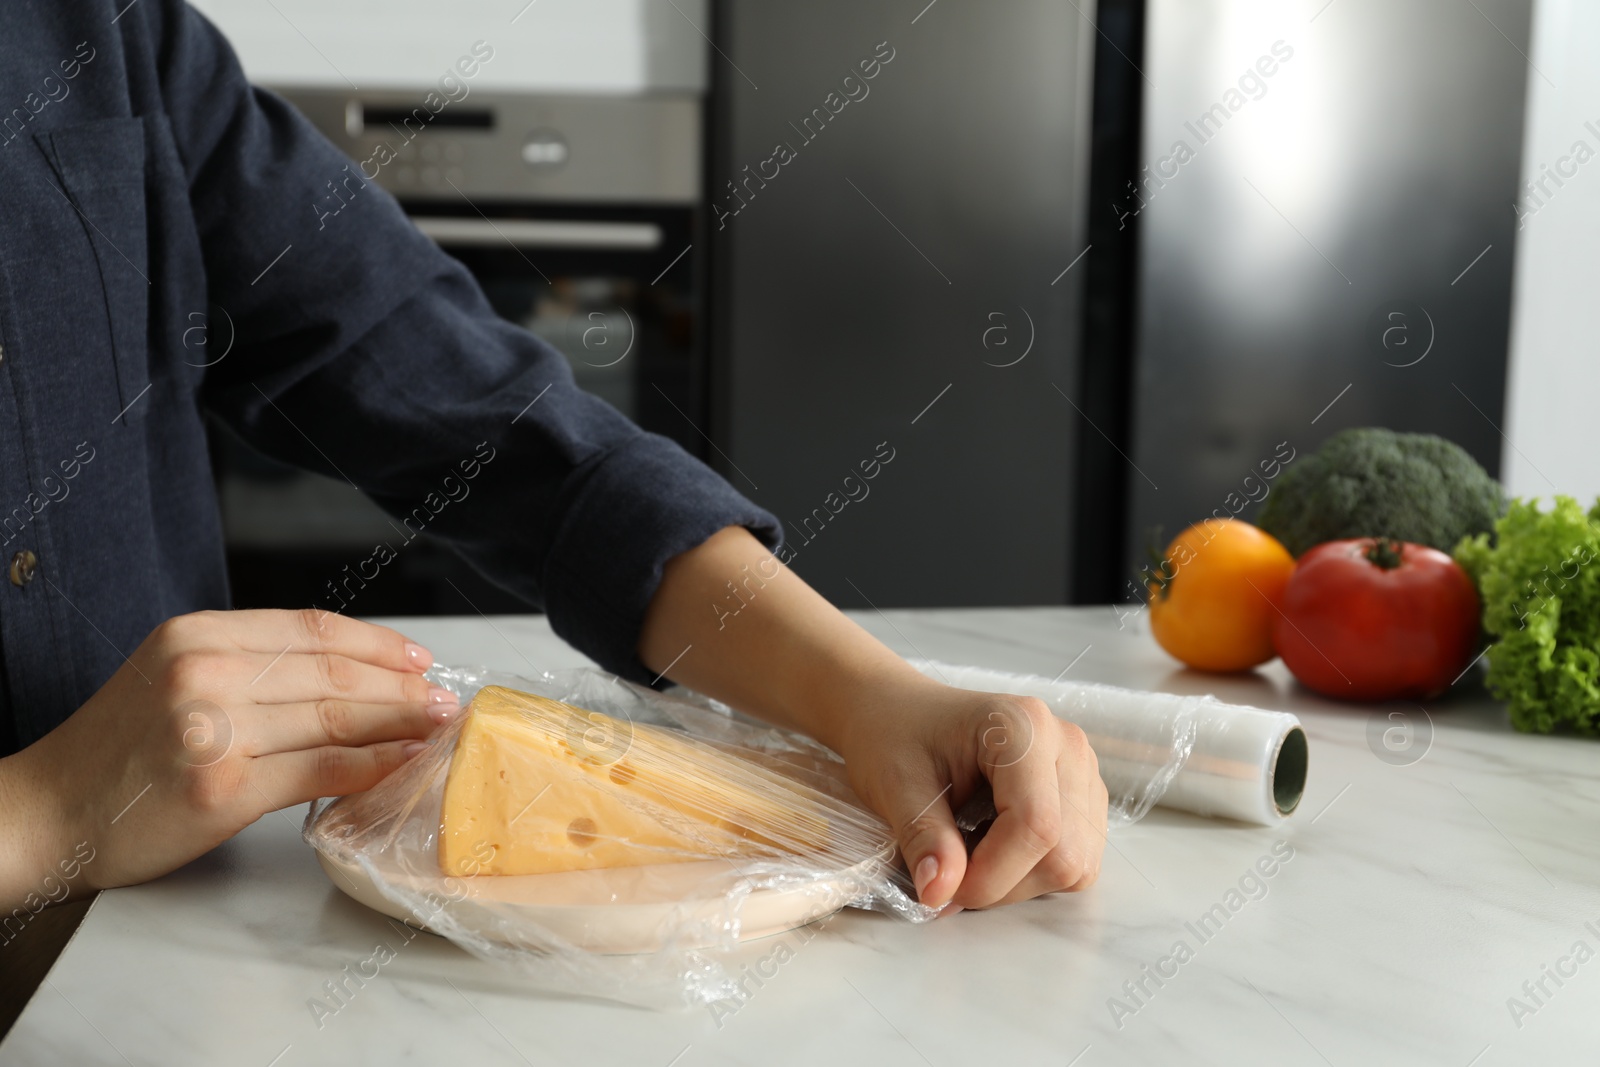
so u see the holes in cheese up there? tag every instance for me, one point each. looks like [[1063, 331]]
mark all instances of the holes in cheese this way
[[540, 786], [582, 831]]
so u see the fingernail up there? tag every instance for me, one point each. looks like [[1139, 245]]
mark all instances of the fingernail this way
[[437, 695], [418, 656], [412, 748], [926, 872]]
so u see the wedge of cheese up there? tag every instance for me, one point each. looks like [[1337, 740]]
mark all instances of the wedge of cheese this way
[[537, 786]]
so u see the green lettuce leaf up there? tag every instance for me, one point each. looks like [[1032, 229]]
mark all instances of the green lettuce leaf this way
[[1539, 578]]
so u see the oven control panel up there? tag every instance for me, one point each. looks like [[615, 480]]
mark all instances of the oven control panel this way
[[603, 149]]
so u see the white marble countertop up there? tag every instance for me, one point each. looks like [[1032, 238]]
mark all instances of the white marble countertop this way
[[1420, 898]]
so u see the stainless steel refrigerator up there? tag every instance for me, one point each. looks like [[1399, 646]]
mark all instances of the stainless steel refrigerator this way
[[991, 260], [1338, 251], [898, 192]]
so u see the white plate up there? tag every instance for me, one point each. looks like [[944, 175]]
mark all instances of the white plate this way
[[617, 911]]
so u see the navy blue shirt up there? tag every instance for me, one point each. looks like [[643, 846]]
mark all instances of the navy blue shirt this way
[[150, 201]]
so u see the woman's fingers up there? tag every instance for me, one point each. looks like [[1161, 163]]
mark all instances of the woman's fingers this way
[[308, 630], [320, 723], [1074, 863], [298, 777], [292, 677], [930, 844], [1017, 751], [1064, 870]]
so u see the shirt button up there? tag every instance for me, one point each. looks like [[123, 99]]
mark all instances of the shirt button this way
[[23, 567]]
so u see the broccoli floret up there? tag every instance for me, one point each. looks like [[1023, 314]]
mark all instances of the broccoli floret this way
[[1372, 482]]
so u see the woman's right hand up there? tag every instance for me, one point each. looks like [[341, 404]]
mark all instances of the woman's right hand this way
[[216, 719]]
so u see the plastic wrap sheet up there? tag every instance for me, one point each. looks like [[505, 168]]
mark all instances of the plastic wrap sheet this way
[[622, 848], [656, 831], [1193, 753]]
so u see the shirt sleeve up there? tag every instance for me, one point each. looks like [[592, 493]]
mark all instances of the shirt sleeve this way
[[365, 353]]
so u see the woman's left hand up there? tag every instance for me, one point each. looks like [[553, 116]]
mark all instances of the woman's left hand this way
[[917, 750]]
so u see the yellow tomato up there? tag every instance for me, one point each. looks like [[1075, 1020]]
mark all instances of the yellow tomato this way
[[1214, 599]]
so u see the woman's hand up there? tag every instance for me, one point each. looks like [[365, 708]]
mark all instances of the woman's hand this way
[[916, 750], [216, 719]]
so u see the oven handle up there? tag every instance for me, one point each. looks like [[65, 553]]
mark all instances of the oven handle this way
[[538, 233]]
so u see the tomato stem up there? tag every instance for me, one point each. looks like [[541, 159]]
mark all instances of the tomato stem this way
[[1383, 552], [1159, 572]]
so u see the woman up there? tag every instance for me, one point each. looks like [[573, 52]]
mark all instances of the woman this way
[[145, 183]]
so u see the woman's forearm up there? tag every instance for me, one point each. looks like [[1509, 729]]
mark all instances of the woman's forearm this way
[[731, 621], [29, 841]]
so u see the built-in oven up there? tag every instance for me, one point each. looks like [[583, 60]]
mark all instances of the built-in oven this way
[[578, 215]]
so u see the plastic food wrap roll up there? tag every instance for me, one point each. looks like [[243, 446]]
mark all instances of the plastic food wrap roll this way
[[1193, 753]]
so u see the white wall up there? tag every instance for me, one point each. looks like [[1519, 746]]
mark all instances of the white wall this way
[[590, 46], [1553, 398]]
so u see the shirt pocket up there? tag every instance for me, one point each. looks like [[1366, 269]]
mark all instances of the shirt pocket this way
[[100, 166]]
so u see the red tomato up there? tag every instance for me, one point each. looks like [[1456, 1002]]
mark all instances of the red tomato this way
[[1374, 619]]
